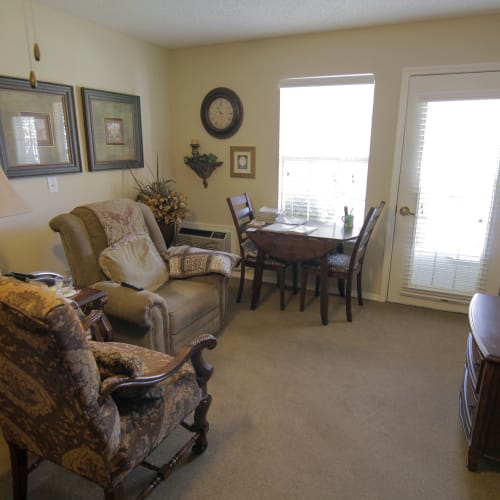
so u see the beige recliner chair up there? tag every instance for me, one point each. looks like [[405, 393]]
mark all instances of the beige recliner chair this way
[[162, 317]]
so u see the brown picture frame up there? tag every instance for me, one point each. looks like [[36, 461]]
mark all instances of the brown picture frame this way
[[38, 131], [242, 162], [112, 129]]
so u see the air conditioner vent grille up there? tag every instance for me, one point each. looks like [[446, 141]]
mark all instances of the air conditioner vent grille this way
[[204, 238]]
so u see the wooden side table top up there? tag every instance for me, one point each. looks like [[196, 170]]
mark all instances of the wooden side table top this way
[[484, 319], [86, 296]]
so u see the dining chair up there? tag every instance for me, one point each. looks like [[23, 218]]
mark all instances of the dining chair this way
[[345, 267], [242, 213]]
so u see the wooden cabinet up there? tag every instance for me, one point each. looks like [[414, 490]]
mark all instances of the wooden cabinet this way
[[479, 405]]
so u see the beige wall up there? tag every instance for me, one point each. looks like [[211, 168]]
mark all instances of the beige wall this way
[[254, 70], [84, 55], [172, 84], [81, 54]]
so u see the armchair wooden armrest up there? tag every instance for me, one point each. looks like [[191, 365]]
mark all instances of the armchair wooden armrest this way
[[190, 352]]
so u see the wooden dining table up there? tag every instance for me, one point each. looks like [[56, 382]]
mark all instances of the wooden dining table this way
[[291, 246]]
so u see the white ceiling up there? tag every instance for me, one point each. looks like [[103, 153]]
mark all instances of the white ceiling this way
[[186, 23]]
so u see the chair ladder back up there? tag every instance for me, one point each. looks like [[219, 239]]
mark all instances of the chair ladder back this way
[[241, 210], [359, 250]]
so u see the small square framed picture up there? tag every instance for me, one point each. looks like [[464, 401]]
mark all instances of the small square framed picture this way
[[113, 129], [243, 161]]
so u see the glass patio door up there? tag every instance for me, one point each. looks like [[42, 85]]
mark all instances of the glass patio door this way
[[446, 242]]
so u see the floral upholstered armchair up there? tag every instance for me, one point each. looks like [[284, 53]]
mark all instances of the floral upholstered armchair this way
[[97, 409], [119, 241]]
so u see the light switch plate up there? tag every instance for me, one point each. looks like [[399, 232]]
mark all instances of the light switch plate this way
[[53, 185]]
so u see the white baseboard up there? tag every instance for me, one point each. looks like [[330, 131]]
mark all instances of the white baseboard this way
[[270, 278]]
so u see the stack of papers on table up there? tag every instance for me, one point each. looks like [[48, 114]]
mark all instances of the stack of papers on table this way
[[287, 219], [268, 214], [278, 228], [289, 228], [257, 224], [303, 229]]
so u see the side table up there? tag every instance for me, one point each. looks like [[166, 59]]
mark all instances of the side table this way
[[88, 300]]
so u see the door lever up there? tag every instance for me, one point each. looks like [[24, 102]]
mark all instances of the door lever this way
[[406, 211]]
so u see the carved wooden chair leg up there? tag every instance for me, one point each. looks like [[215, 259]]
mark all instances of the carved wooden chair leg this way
[[201, 425], [19, 465], [295, 277], [242, 283], [198, 444]]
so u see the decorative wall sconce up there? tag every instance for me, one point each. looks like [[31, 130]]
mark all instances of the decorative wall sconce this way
[[202, 164]]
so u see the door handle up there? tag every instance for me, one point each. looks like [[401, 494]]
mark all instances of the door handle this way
[[406, 211]]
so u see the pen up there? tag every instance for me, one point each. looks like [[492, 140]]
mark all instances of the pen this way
[[346, 210]]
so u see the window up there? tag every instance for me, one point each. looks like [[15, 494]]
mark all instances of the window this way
[[325, 131]]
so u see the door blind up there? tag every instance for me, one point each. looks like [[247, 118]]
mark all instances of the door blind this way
[[457, 192]]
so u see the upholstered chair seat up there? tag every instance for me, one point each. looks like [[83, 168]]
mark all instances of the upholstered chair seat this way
[[339, 263]]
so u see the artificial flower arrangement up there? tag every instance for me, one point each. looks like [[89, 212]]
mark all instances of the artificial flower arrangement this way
[[160, 195]]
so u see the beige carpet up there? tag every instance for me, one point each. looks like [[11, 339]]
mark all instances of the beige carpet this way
[[362, 410]]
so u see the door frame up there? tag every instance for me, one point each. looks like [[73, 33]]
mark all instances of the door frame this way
[[407, 73]]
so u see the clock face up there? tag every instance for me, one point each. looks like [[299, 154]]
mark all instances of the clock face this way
[[221, 112]]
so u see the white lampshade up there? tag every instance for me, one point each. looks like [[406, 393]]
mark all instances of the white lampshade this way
[[10, 202]]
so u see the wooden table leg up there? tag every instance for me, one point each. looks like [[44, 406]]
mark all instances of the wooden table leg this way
[[99, 325], [257, 279], [102, 330], [323, 289]]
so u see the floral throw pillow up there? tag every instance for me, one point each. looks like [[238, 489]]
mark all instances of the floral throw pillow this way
[[185, 261]]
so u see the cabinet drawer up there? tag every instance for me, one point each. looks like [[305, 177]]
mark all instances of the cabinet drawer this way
[[464, 418], [468, 404], [474, 363]]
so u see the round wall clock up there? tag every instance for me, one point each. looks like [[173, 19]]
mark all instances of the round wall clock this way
[[221, 112]]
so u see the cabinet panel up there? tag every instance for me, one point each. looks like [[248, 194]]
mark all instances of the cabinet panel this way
[[479, 403], [474, 362], [465, 417]]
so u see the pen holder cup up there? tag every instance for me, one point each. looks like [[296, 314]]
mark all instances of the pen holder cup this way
[[348, 220]]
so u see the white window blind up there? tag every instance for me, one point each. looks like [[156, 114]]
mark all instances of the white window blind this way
[[325, 131], [458, 161]]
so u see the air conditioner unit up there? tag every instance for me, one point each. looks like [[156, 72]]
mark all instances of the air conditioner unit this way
[[203, 238]]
